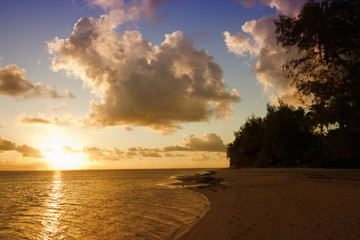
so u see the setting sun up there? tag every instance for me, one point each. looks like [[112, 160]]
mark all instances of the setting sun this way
[[58, 154], [61, 159]]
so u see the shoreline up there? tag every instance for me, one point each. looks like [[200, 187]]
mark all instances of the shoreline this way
[[194, 183], [278, 203]]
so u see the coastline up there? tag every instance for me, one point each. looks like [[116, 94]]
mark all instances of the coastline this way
[[276, 203]]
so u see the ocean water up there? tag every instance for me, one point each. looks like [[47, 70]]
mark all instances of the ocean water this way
[[96, 204]]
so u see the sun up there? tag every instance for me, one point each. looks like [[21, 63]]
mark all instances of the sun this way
[[60, 158], [58, 153]]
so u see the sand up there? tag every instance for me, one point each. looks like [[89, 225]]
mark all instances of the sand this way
[[281, 204]]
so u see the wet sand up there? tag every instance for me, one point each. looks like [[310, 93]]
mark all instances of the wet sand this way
[[279, 204]]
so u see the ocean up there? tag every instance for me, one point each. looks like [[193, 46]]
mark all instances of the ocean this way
[[97, 204]]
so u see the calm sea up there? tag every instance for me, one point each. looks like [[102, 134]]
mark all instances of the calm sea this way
[[96, 204]]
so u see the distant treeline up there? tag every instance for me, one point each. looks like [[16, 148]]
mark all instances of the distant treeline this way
[[286, 137], [326, 75]]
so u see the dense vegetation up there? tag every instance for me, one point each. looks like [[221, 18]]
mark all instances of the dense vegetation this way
[[327, 75]]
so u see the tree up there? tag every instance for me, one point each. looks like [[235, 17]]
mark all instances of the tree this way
[[286, 135], [327, 36], [247, 144], [279, 139]]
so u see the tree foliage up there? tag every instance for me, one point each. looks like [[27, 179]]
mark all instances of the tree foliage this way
[[327, 36], [327, 72], [276, 140], [284, 138]]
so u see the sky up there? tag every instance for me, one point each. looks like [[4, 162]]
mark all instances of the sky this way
[[114, 84]]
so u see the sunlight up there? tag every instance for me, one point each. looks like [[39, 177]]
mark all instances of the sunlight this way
[[61, 159], [59, 155]]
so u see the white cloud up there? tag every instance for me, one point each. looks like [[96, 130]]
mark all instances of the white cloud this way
[[240, 45], [140, 84], [258, 40]]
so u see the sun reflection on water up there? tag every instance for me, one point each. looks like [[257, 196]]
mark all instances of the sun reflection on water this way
[[53, 214]]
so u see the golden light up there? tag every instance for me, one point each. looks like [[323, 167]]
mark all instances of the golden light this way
[[58, 154], [60, 158]]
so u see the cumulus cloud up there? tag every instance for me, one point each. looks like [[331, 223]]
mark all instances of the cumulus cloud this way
[[140, 84], [23, 119], [209, 142], [25, 150], [240, 45], [257, 39], [14, 83]]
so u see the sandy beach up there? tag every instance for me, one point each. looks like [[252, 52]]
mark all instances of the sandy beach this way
[[280, 204]]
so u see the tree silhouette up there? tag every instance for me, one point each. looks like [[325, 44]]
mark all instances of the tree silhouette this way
[[279, 139], [327, 72], [327, 36]]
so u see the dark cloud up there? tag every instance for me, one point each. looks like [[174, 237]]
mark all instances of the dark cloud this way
[[25, 150], [6, 145], [209, 142], [14, 83], [29, 151], [143, 85]]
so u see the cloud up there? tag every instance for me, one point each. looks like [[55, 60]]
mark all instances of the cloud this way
[[13, 83], [240, 45], [70, 149], [25, 150], [6, 145], [158, 87], [40, 120], [144, 152], [286, 7], [209, 142], [29, 151], [115, 154], [258, 40], [1, 125], [98, 154], [174, 155], [129, 129], [120, 11], [199, 157]]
